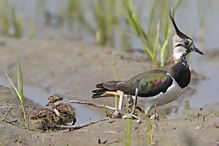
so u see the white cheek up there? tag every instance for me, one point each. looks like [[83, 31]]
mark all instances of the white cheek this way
[[178, 52]]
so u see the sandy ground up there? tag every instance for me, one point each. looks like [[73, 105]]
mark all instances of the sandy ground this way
[[71, 69]]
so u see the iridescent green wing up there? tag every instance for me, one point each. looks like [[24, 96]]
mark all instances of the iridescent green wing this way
[[149, 83]]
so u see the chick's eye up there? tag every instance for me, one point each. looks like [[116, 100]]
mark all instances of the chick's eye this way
[[186, 43]]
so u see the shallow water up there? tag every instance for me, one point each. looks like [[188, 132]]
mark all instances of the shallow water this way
[[188, 20], [188, 17], [40, 96], [206, 90]]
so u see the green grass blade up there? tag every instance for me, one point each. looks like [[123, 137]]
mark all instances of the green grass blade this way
[[150, 131], [19, 92], [177, 5], [31, 30], [128, 131], [17, 23], [104, 108], [18, 83], [13, 86], [164, 47], [5, 16], [115, 72], [147, 50], [21, 78], [128, 34]]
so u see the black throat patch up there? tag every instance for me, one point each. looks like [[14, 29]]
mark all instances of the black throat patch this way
[[181, 73]]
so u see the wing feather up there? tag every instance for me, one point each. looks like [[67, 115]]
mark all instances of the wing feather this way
[[149, 83]]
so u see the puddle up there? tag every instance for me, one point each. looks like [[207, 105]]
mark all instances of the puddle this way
[[206, 93], [84, 114], [206, 90]]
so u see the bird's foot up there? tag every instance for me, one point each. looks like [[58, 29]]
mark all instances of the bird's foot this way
[[155, 116], [132, 116], [115, 114], [139, 120]]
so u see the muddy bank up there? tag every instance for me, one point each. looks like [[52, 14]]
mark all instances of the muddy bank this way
[[201, 128], [68, 68], [72, 69]]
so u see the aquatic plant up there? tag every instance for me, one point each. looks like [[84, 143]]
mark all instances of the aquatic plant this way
[[10, 19], [133, 19], [150, 39], [115, 72], [149, 128], [105, 17], [4, 17], [128, 131], [17, 23], [19, 91], [73, 9], [31, 30], [104, 108]]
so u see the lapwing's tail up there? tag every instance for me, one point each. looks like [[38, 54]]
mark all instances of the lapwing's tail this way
[[106, 89]]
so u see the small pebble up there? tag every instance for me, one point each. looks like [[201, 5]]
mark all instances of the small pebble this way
[[155, 126], [174, 128], [197, 128], [153, 143], [112, 121]]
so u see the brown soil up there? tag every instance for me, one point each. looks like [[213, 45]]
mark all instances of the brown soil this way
[[72, 69]]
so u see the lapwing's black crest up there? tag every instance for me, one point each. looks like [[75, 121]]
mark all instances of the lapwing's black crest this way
[[178, 32], [188, 42]]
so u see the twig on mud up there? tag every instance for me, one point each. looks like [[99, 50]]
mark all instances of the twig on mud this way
[[91, 104], [12, 121], [113, 113], [7, 114], [74, 127]]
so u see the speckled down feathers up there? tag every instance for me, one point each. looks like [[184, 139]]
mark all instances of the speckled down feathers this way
[[46, 119]]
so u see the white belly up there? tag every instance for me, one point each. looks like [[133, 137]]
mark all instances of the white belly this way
[[172, 93]]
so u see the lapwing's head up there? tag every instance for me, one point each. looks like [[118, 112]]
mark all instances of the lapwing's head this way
[[54, 100], [181, 43]]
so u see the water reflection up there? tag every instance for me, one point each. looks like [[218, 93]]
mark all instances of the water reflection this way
[[84, 114]]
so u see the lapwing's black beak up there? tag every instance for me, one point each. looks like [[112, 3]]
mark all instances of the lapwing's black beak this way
[[197, 50], [47, 105]]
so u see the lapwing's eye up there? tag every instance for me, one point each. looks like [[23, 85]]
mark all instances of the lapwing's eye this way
[[186, 43]]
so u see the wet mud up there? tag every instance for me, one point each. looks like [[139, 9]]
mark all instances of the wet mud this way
[[71, 69]]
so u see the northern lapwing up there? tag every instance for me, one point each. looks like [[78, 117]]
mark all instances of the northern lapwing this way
[[65, 111], [159, 86]]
